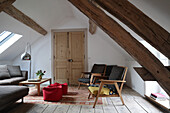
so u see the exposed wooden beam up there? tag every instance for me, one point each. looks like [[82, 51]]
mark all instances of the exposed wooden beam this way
[[145, 74], [5, 3], [15, 13], [92, 27], [140, 23], [126, 41]]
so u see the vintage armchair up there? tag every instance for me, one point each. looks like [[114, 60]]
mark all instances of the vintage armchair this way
[[107, 74], [97, 70], [111, 87]]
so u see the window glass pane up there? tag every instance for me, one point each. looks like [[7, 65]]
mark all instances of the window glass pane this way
[[4, 35], [155, 52], [7, 39]]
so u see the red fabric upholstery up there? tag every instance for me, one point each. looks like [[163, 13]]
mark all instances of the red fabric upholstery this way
[[55, 91], [64, 87], [52, 93]]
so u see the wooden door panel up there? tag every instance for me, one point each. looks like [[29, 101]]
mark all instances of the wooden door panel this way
[[61, 57], [75, 74], [69, 45], [76, 47]]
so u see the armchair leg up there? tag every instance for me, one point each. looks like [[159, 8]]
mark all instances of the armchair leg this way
[[120, 95], [79, 86], [95, 102], [98, 94], [89, 95]]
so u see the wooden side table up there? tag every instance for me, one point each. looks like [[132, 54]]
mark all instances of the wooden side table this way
[[38, 83]]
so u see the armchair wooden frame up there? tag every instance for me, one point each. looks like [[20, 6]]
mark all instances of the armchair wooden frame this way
[[115, 82], [92, 77]]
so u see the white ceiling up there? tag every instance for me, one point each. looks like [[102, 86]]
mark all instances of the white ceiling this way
[[47, 13]]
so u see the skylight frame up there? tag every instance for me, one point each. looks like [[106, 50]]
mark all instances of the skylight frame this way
[[8, 40]]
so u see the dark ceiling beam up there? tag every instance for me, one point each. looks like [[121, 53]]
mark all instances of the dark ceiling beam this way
[[142, 55], [145, 74], [5, 3], [140, 23], [15, 13]]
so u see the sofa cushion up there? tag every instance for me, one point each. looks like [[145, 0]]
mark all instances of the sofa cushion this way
[[13, 81], [10, 94], [5, 82], [4, 72], [14, 71]]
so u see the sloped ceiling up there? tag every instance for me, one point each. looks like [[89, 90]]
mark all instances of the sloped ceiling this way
[[47, 13]]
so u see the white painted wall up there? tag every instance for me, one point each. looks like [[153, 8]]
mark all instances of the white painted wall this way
[[100, 49], [6, 63]]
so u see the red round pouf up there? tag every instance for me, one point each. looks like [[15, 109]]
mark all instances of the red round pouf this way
[[52, 93]]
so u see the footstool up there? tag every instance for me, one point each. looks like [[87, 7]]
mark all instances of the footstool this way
[[52, 93]]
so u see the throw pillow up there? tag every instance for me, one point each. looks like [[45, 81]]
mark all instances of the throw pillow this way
[[4, 74], [14, 71]]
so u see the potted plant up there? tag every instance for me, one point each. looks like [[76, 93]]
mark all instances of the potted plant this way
[[40, 73]]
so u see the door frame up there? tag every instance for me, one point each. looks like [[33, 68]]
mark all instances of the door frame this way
[[53, 45]]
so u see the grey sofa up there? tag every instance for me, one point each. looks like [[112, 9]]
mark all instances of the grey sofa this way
[[12, 75], [10, 92]]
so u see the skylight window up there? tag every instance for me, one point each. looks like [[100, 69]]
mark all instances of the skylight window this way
[[159, 55], [7, 39]]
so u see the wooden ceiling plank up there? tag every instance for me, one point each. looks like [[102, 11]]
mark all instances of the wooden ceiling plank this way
[[126, 41], [140, 23], [15, 13], [5, 3]]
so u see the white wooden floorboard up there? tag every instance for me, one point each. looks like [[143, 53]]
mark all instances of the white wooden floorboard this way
[[147, 106], [118, 105], [50, 109], [87, 109], [22, 108], [133, 106], [99, 109], [38, 108], [62, 109], [74, 109], [109, 109]]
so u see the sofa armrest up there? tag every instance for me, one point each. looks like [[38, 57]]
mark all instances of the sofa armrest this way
[[25, 74]]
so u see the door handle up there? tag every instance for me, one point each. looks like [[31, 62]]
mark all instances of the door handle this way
[[70, 60]]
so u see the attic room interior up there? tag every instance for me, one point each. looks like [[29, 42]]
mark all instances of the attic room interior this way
[[78, 56]]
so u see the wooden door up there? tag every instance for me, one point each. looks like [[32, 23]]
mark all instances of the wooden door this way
[[61, 57], [76, 50], [69, 56]]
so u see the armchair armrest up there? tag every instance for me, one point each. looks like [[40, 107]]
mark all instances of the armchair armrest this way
[[86, 72], [93, 77], [25, 74], [101, 77]]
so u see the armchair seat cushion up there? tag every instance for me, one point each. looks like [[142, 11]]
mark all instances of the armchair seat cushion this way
[[94, 90], [84, 80]]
